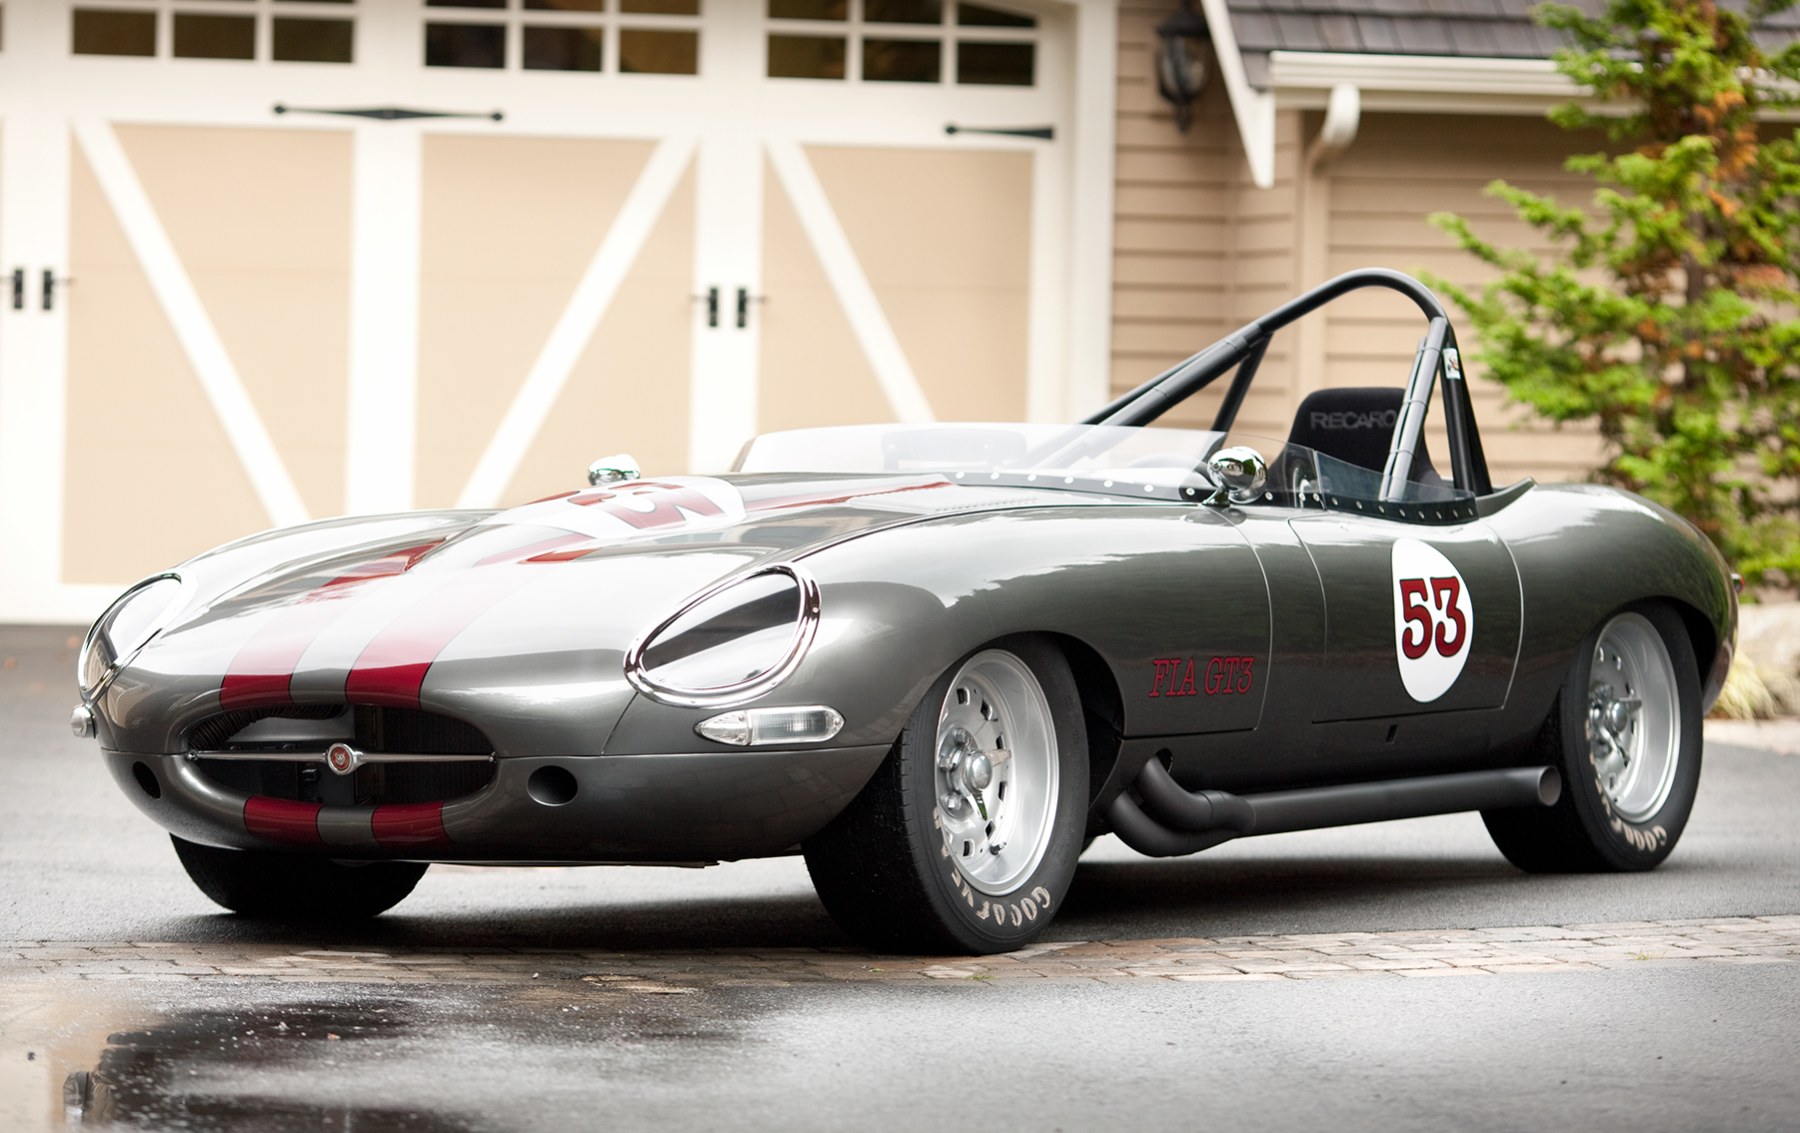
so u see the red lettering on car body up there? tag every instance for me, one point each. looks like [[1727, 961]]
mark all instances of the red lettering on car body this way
[[1165, 666], [1187, 683], [1221, 676]]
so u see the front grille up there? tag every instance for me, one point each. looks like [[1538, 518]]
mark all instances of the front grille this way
[[410, 729], [371, 730], [373, 784], [214, 733]]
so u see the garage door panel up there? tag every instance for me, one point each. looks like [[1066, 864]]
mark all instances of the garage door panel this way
[[260, 220], [150, 478], [944, 237], [813, 370], [508, 226], [629, 390]]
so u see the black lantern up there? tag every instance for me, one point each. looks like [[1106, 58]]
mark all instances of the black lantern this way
[[1181, 61]]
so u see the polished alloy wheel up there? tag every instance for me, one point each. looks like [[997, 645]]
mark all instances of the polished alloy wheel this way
[[1633, 717], [996, 771]]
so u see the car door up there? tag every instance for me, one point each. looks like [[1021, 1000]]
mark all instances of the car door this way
[[1421, 616]]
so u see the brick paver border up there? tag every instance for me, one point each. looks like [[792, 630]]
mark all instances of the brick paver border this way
[[1343, 955]]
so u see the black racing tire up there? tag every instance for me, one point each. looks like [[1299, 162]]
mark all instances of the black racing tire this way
[[296, 887], [891, 867], [1606, 822]]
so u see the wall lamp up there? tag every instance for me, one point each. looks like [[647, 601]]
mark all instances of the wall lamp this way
[[1185, 44]]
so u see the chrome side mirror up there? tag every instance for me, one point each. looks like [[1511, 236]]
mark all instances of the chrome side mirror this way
[[1240, 473], [612, 469]]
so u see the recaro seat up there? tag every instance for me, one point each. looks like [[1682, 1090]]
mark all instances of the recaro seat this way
[[1356, 425]]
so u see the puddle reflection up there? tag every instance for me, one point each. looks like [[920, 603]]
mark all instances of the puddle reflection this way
[[200, 1069], [453, 1056]]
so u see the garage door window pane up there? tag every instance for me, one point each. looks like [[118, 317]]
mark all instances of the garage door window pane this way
[[806, 57], [562, 49], [903, 11], [996, 64], [565, 5], [645, 52], [808, 9], [465, 45], [465, 3], [661, 7], [902, 60], [979, 16], [214, 37], [299, 40], [114, 33]]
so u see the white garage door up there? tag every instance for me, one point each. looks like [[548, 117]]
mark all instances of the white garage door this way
[[284, 259]]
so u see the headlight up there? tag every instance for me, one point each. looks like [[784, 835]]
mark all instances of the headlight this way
[[730, 644], [126, 627]]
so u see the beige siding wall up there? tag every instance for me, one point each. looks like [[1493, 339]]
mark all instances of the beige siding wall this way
[[1173, 249], [1199, 249], [1402, 168]]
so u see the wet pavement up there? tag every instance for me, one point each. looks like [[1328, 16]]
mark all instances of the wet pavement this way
[[1398, 976]]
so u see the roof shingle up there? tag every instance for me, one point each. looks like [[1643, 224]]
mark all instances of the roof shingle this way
[[1470, 29]]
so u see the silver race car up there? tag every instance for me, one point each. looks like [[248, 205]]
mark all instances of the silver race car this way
[[935, 660]]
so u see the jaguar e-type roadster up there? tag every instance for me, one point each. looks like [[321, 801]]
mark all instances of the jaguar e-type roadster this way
[[935, 660]]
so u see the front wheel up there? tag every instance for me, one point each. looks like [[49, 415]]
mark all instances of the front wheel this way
[[296, 887], [966, 838], [1626, 734]]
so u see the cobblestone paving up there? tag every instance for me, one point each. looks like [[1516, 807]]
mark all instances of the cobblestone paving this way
[[1348, 955]]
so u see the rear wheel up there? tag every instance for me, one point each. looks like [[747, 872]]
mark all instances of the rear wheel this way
[[1626, 734], [271, 886], [966, 838]]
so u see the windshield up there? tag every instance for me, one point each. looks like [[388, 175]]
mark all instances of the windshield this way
[[1117, 460], [1076, 456]]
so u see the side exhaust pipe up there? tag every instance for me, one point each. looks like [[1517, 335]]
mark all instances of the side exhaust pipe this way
[[1171, 821]]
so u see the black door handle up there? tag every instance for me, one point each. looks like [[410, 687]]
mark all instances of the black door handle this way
[[712, 305], [18, 289], [744, 299], [51, 279]]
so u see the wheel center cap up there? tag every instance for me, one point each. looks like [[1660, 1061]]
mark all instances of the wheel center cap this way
[[978, 771], [1618, 715]]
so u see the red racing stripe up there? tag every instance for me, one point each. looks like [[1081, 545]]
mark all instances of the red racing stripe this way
[[261, 674], [392, 667], [283, 820], [410, 824], [263, 669]]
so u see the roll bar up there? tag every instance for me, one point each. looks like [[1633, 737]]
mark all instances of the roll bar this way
[[1243, 350]]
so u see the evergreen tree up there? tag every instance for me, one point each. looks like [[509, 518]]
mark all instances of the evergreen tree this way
[[1667, 313]]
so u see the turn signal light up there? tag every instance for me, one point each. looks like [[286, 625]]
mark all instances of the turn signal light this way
[[755, 727]]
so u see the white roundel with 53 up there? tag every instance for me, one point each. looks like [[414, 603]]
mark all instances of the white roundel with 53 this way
[[1433, 620]]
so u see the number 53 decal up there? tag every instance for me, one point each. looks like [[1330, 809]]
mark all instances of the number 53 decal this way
[[1433, 620]]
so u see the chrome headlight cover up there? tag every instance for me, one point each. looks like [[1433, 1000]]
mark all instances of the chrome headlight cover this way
[[105, 650], [805, 627]]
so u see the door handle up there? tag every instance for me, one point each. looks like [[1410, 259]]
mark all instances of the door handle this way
[[744, 299], [51, 279], [18, 289], [711, 299]]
